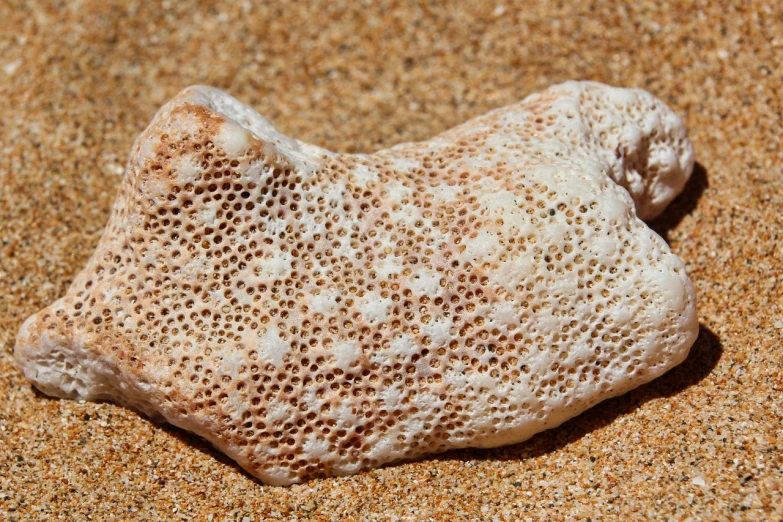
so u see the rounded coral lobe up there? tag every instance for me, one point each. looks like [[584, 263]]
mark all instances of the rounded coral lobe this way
[[315, 314]]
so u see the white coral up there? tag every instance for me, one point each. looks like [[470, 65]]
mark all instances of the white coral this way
[[313, 313]]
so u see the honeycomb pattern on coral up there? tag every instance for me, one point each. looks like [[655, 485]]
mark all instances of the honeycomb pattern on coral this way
[[314, 314]]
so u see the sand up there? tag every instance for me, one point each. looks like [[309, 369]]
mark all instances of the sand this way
[[79, 82]]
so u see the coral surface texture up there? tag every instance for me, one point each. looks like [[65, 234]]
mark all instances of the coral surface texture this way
[[348, 82], [314, 314]]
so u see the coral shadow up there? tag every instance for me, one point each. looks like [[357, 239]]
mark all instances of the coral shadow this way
[[683, 205], [191, 439], [204, 446], [702, 359]]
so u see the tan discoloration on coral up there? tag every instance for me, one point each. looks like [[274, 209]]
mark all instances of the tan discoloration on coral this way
[[240, 269]]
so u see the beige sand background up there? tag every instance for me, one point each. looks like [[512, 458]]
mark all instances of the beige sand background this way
[[80, 80]]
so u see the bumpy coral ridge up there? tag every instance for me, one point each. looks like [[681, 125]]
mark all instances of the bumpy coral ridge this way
[[313, 313]]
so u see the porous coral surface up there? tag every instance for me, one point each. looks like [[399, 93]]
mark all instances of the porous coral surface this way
[[313, 313], [80, 80]]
